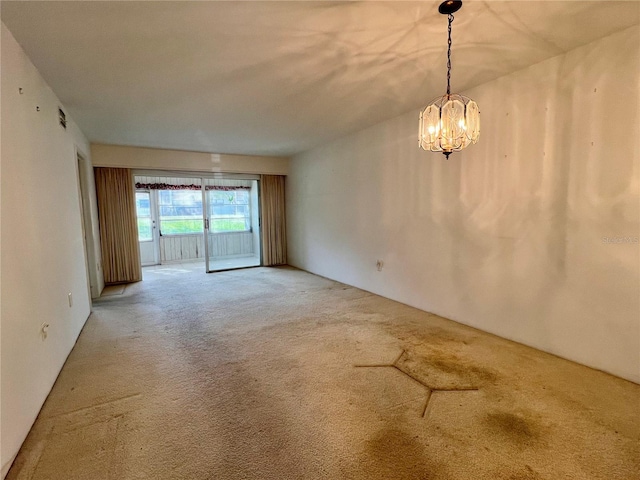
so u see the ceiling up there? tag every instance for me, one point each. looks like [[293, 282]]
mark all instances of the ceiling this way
[[277, 78]]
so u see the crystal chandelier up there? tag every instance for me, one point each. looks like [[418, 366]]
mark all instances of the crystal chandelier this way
[[451, 122]]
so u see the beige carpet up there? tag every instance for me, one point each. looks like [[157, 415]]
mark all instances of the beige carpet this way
[[278, 374]]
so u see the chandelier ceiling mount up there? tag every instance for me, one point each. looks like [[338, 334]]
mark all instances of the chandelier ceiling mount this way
[[450, 6]]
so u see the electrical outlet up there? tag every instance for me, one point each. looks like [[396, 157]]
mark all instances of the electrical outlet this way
[[379, 265], [70, 299]]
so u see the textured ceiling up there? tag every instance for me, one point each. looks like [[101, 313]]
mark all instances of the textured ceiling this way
[[277, 78]]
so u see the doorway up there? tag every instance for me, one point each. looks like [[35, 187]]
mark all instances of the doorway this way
[[214, 220]]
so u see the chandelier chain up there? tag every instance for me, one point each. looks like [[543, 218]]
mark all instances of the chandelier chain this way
[[449, 56]]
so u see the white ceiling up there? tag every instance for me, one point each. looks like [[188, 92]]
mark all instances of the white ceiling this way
[[277, 78]]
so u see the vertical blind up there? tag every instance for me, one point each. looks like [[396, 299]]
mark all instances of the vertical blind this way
[[118, 227], [274, 232]]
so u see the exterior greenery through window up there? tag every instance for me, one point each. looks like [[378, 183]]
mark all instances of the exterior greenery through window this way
[[229, 211], [180, 212], [143, 212]]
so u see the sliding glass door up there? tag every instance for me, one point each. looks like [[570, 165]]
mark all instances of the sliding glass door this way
[[189, 218], [232, 225]]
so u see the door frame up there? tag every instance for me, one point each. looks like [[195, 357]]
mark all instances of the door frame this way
[[85, 222]]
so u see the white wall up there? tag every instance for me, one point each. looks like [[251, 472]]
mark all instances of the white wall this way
[[508, 235], [158, 159], [42, 247]]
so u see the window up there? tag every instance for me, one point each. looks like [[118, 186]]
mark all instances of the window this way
[[180, 211], [230, 211], [143, 212]]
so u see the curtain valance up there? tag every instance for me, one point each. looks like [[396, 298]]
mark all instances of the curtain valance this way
[[166, 186]]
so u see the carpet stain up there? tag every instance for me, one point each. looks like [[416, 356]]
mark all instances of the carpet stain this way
[[430, 389], [448, 369], [518, 430], [424, 334], [455, 367], [397, 454], [521, 473]]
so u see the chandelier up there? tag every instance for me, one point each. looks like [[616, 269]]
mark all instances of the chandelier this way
[[451, 122]]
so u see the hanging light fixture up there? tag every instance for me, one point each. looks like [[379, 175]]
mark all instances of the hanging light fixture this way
[[451, 122]]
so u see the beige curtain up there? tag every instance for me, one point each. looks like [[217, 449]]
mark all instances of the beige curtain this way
[[272, 209], [118, 225]]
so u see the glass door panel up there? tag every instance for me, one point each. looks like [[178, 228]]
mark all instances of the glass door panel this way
[[232, 227], [147, 231], [173, 206]]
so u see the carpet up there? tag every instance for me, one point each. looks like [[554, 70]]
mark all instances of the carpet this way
[[274, 373]]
